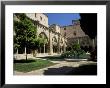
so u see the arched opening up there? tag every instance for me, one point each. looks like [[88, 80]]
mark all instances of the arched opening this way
[[43, 48]]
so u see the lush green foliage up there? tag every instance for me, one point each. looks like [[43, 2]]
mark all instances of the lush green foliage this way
[[30, 65], [76, 52], [26, 34], [67, 54], [25, 31]]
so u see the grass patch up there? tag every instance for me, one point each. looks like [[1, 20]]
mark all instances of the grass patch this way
[[53, 58], [30, 65]]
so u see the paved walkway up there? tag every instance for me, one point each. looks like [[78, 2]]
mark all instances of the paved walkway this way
[[63, 67]]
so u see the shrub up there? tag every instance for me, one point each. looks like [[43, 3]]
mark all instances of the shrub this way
[[75, 52], [66, 54]]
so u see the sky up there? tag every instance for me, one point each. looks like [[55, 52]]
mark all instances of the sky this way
[[62, 19]]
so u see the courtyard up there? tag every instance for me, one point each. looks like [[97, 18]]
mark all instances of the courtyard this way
[[43, 47], [55, 65]]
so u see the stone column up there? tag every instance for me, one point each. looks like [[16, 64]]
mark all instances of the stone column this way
[[61, 49], [50, 43], [59, 44], [25, 50], [64, 48], [44, 48], [78, 41]]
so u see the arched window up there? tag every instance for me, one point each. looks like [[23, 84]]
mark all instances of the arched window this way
[[54, 40], [43, 35]]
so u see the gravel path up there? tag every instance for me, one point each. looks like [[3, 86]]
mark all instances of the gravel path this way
[[61, 64]]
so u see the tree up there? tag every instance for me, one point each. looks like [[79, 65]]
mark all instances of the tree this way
[[36, 43], [25, 31], [87, 21], [76, 50], [88, 24]]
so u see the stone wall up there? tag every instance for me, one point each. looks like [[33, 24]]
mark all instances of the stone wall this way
[[42, 18], [74, 34]]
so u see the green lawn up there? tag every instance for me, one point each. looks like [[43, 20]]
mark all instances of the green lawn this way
[[30, 65]]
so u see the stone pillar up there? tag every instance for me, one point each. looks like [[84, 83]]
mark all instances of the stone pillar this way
[[61, 49], [50, 43], [44, 48], [78, 40], [59, 44], [64, 48], [25, 50]]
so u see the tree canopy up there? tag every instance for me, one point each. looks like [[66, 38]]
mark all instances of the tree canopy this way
[[26, 33], [89, 24]]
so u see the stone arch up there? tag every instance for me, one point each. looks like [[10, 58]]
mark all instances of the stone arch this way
[[55, 44], [44, 47], [54, 40], [43, 35]]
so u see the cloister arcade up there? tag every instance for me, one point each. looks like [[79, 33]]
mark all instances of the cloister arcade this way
[[53, 41]]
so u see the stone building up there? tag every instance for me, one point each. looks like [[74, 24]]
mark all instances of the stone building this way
[[59, 39], [52, 33], [74, 34]]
